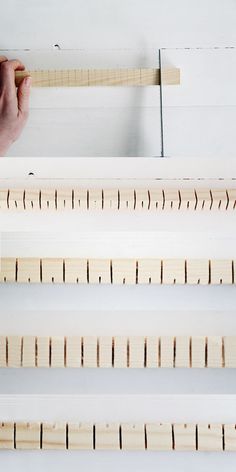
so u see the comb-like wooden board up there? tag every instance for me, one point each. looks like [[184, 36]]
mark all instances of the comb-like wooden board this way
[[118, 351], [118, 271], [115, 199], [214, 437], [100, 77]]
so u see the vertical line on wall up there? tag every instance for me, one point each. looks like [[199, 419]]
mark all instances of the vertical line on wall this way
[[161, 106]]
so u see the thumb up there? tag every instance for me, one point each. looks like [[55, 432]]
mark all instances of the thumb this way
[[23, 95]]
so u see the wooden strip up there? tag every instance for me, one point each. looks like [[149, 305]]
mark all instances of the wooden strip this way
[[107, 436], [29, 354], [210, 437], [99, 77], [118, 351], [167, 351], [52, 271], [229, 344], [221, 272], [159, 436], [42, 359], [54, 436], [152, 351], [7, 270], [105, 351], [185, 437], [149, 271], [136, 351], [90, 352], [124, 271], [198, 348], [6, 435], [28, 435], [73, 351], [14, 344], [132, 199], [174, 271], [28, 270], [214, 352], [80, 436], [99, 271], [57, 351], [198, 271], [133, 437], [3, 352], [182, 351], [230, 437], [76, 271], [116, 436]]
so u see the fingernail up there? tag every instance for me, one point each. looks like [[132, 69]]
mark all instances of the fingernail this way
[[28, 81]]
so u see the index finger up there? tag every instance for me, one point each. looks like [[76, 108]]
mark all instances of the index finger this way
[[7, 74]]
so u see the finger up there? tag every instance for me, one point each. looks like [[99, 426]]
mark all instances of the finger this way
[[7, 73], [23, 95], [3, 59]]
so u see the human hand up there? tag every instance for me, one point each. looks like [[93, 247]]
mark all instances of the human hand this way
[[14, 103]]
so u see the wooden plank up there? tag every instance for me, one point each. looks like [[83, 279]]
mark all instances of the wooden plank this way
[[149, 271], [198, 272], [4, 199], [185, 437], [120, 352], [99, 77], [136, 351], [173, 271], [14, 344], [133, 438], [229, 344], [6, 435], [32, 199], [124, 271], [210, 437], [152, 352], [95, 199], [28, 270], [3, 352], [198, 349], [90, 352], [63, 200], [107, 436], [16, 200], [105, 344], [54, 436], [99, 271], [80, 199], [214, 351], [159, 436], [57, 351], [42, 359], [7, 270], [52, 270], [80, 436], [230, 437], [47, 199], [73, 351], [221, 272], [29, 351], [182, 351], [28, 435], [76, 271], [167, 351]]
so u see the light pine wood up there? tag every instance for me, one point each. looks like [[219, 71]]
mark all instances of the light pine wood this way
[[6, 435], [54, 436], [107, 436], [80, 436], [185, 437], [159, 437], [118, 436], [122, 351], [118, 199], [100, 77], [117, 271], [198, 351], [210, 437], [28, 435], [133, 437]]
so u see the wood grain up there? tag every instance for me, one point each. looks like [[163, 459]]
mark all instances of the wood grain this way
[[118, 271], [99, 77], [118, 436], [118, 199], [118, 351]]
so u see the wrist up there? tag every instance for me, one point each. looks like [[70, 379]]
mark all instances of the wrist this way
[[5, 144]]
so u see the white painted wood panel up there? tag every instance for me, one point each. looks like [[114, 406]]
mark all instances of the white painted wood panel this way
[[118, 24], [199, 115]]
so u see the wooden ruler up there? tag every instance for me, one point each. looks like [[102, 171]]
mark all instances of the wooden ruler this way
[[118, 351], [122, 199], [100, 77], [118, 436], [118, 271]]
